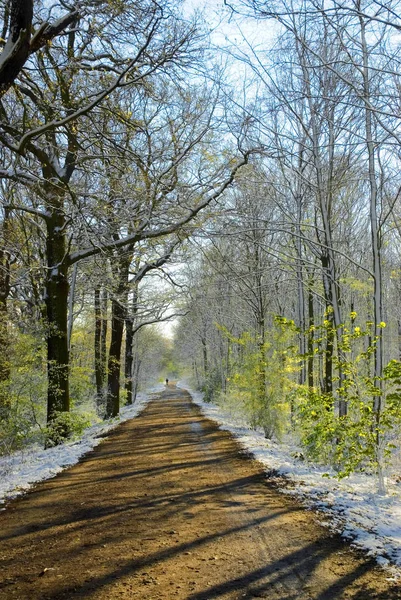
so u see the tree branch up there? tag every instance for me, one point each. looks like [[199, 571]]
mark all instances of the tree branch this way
[[164, 231], [19, 44]]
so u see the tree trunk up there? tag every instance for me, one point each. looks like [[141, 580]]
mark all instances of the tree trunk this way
[[58, 398], [16, 51], [311, 322], [5, 403], [328, 371], [374, 228], [103, 336], [135, 376], [328, 355], [205, 357], [114, 362], [129, 358], [300, 286], [118, 311], [129, 342], [71, 300], [196, 373], [98, 354], [376, 250], [399, 339]]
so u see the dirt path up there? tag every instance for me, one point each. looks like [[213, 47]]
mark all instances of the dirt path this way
[[166, 507]]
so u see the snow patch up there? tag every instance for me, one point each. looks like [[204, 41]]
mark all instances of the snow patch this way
[[351, 506], [21, 470]]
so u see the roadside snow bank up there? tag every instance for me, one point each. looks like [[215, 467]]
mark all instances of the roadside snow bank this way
[[352, 505], [20, 471]]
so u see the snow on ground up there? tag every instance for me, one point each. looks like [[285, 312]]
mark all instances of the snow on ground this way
[[21, 470], [350, 506]]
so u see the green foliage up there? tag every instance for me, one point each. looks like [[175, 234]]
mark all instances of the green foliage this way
[[15, 430], [347, 443], [81, 367], [66, 425], [262, 378], [81, 385], [361, 439], [24, 421], [26, 392], [211, 386]]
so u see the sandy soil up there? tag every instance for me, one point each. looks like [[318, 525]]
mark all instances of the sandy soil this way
[[167, 507]]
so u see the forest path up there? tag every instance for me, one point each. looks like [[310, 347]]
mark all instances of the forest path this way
[[167, 507]]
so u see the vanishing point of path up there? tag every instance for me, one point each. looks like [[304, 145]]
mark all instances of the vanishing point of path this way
[[167, 507]]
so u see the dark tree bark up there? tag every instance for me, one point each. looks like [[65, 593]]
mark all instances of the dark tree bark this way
[[328, 379], [4, 334], [118, 316], [58, 399], [20, 42], [135, 375], [114, 362], [329, 351], [98, 352], [129, 350], [311, 322], [16, 50], [103, 337], [205, 356], [300, 282], [129, 358], [196, 373]]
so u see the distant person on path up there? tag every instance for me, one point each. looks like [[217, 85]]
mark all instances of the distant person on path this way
[[166, 382]]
